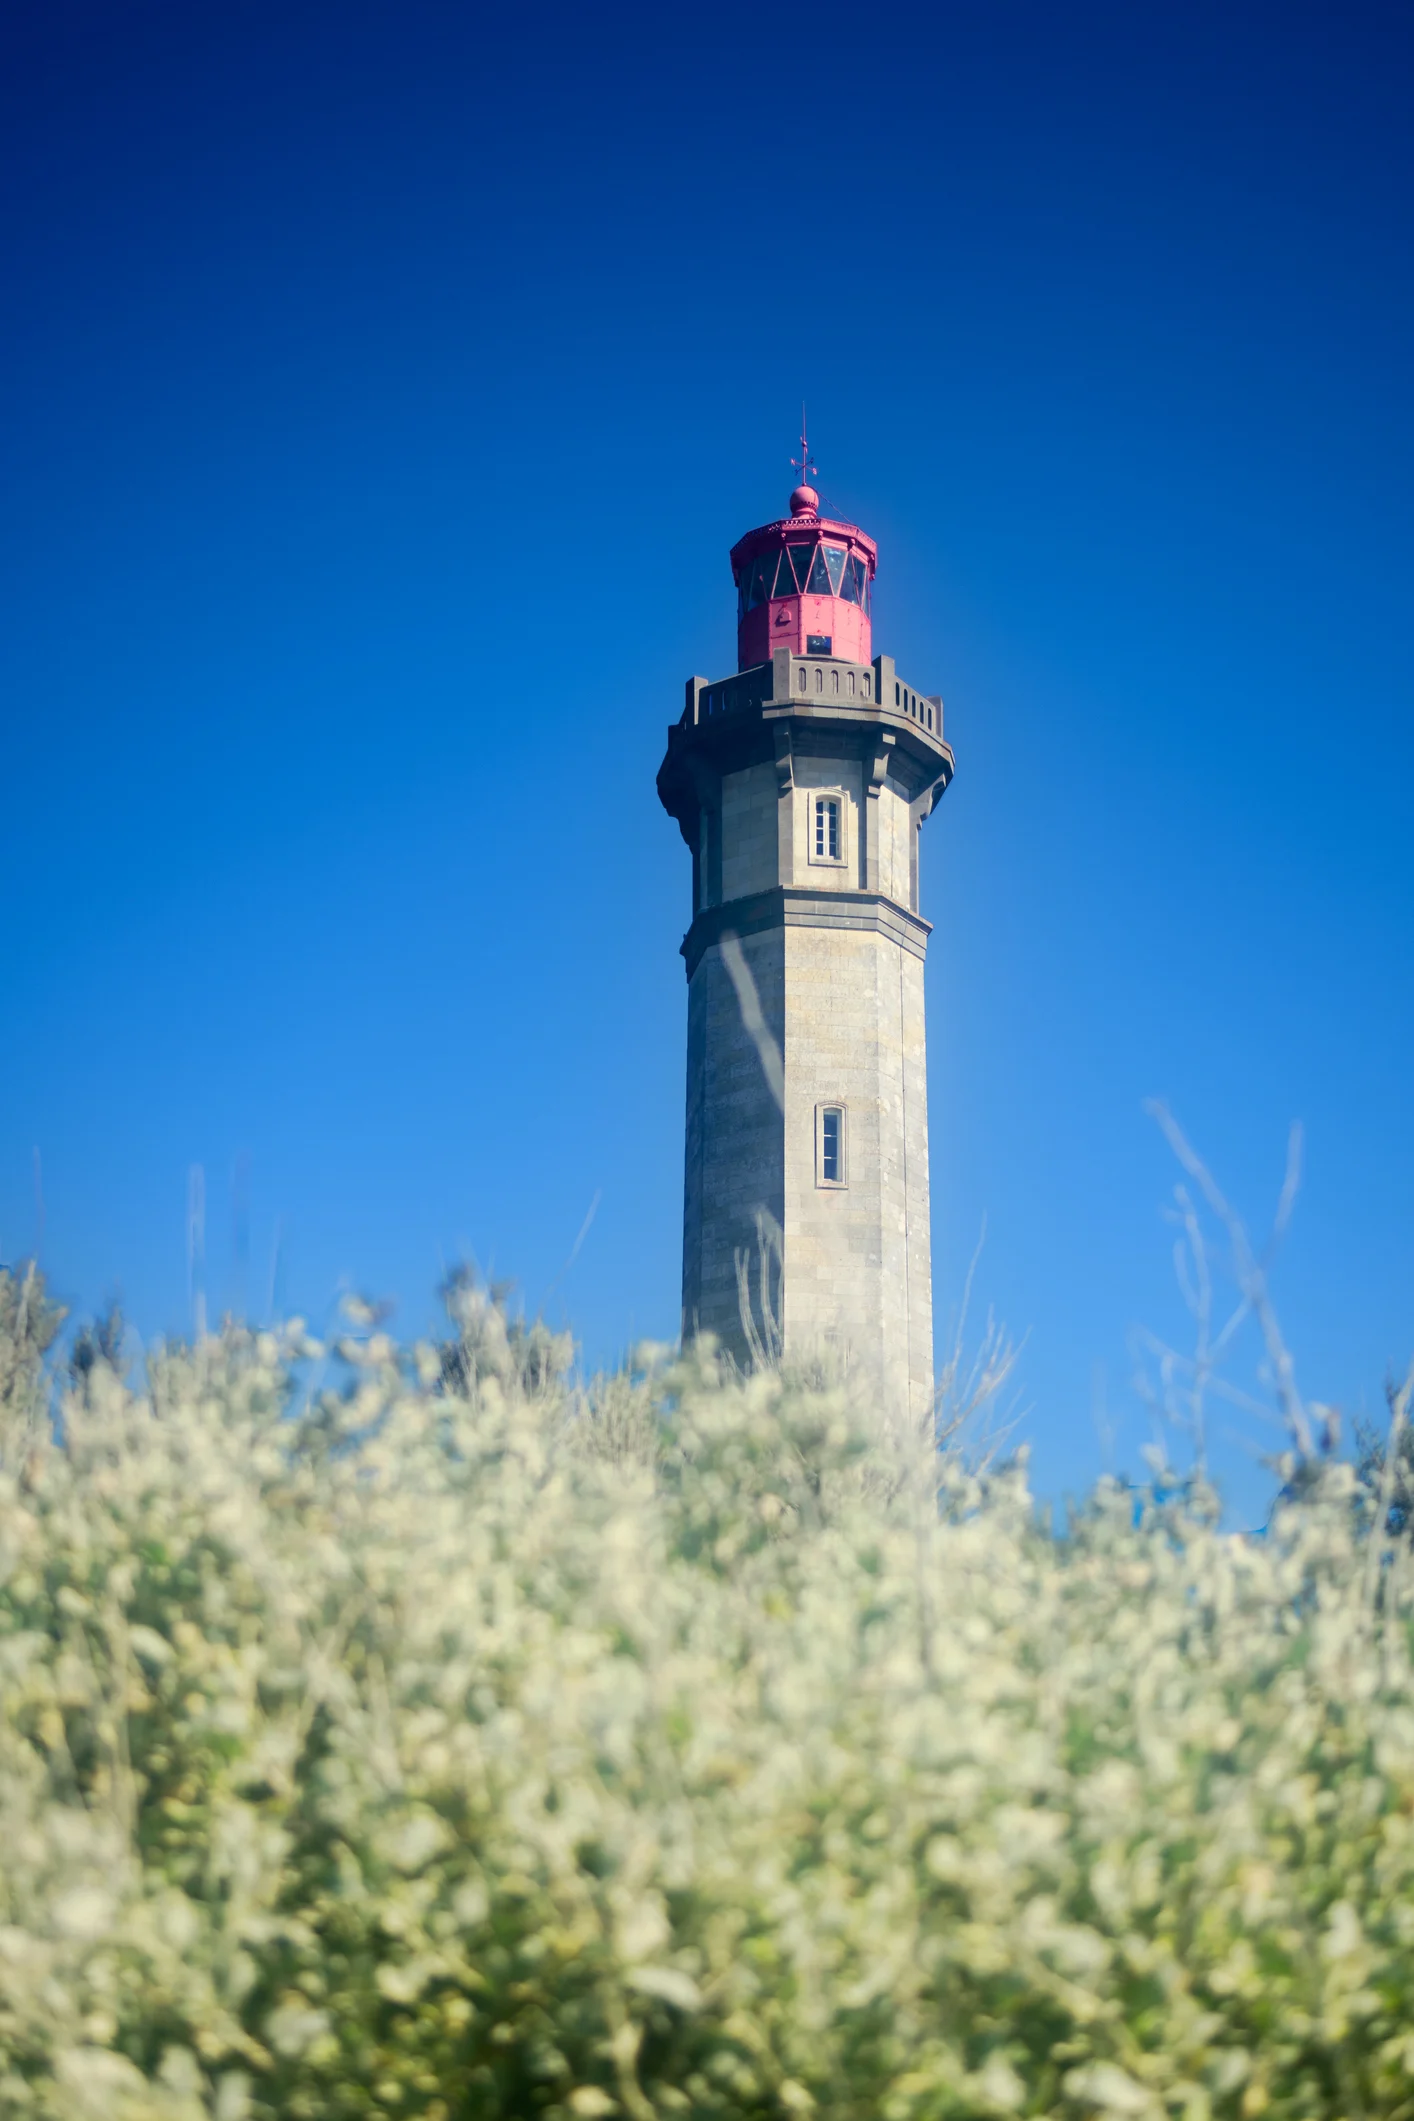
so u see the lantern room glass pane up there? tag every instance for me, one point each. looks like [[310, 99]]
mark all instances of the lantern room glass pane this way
[[851, 590], [834, 560], [760, 588], [797, 557], [819, 584]]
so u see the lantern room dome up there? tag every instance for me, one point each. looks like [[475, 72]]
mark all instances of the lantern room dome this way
[[804, 583]]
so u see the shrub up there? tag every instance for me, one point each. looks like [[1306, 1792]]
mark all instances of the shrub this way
[[422, 1735]]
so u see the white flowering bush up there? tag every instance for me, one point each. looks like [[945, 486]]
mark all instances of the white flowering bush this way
[[424, 1735]]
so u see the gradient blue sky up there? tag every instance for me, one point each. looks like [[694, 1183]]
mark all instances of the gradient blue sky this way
[[384, 386]]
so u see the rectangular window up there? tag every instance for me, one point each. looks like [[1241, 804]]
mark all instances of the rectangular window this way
[[827, 828], [829, 1145]]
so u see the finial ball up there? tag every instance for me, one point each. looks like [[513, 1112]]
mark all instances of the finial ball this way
[[804, 501]]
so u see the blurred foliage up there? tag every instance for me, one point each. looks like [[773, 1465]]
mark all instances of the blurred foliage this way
[[1385, 1459], [29, 1325], [415, 1731]]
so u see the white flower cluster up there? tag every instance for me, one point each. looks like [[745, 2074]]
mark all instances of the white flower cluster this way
[[439, 1740]]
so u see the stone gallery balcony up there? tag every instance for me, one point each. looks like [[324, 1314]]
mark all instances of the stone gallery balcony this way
[[811, 682]]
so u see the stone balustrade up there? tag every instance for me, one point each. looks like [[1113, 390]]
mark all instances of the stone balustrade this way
[[814, 681]]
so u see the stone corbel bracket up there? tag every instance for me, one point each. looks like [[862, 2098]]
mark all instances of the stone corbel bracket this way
[[785, 799], [876, 765]]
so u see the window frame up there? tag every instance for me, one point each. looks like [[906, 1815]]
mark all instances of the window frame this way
[[841, 1183], [759, 581], [827, 861]]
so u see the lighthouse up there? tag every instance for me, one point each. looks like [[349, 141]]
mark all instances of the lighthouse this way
[[800, 784]]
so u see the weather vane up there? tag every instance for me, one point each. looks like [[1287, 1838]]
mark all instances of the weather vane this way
[[802, 463]]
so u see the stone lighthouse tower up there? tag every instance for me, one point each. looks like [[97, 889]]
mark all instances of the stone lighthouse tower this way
[[800, 784]]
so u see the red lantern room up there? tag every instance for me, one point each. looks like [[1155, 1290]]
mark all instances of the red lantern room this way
[[805, 584]]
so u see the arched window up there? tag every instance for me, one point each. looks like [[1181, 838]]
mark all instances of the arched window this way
[[830, 1165]]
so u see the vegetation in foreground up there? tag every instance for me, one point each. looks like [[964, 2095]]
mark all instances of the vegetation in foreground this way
[[408, 1731]]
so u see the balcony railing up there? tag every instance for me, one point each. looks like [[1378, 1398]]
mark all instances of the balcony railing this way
[[813, 681], [707, 700]]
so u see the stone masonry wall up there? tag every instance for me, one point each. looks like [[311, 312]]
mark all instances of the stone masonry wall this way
[[734, 1145], [749, 857], [895, 830], [859, 1257]]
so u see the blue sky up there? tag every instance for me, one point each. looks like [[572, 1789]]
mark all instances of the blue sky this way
[[385, 387]]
